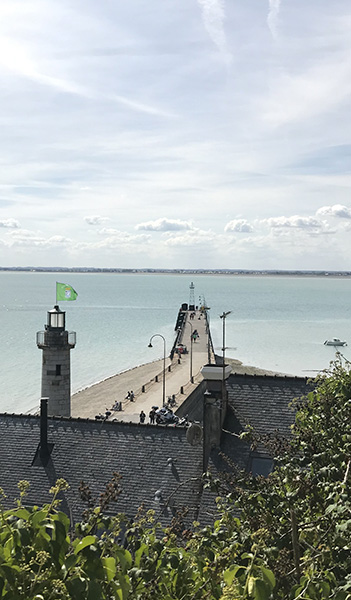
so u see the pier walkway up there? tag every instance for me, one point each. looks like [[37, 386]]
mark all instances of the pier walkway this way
[[146, 381]]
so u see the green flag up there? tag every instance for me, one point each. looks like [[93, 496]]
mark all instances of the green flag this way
[[65, 292]]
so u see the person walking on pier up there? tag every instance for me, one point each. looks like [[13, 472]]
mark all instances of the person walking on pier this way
[[142, 417], [152, 415]]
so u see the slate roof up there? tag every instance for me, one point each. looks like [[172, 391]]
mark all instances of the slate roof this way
[[262, 401], [91, 451]]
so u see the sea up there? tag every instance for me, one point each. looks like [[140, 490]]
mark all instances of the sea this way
[[277, 323]]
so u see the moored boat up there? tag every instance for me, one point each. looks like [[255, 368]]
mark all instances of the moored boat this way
[[335, 342]]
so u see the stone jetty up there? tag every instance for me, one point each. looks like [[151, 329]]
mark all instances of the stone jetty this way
[[182, 371]]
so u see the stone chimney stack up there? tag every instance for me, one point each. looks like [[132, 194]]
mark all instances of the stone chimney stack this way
[[215, 406]]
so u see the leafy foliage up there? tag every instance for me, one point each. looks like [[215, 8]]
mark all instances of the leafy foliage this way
[[292, 540]]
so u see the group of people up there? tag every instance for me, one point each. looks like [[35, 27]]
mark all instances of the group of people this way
[[130, 396], [153, 416]]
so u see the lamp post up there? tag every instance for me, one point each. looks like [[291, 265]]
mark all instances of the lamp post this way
[[164, 365], [191, 353], [224, 316], [208, 331]]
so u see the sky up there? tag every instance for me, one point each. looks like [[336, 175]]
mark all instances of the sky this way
[[177, 134]]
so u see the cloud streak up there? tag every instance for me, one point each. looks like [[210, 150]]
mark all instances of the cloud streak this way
[[213, 17], [294, 222], [272, 19], [16, 58]]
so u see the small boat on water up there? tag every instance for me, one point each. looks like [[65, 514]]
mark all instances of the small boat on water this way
[[335, 342]]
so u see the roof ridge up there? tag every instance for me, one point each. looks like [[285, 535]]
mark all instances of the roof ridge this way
[[96, 421], [267, 376]]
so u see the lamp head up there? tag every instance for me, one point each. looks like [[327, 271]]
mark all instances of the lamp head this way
[[150, 345], [225, 314]]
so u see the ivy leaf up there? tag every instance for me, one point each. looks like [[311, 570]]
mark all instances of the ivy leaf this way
[[88, 540], [262, 592], [109, 564], [94, 590], [139, 553], [124, 557], [229, 574], [23, 513], [268, 577], [71, 561], [39, 516], [77, 588]]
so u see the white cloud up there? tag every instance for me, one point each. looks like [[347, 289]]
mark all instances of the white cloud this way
[[238, 226], [337, 210], [31, 239], [295, 222], [164, 224], [112, 239], [9, 223], [95, 220]]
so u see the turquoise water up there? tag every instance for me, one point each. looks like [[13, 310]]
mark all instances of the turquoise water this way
[[277, 323]]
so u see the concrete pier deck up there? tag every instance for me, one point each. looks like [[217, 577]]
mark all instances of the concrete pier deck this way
[[101, 397]]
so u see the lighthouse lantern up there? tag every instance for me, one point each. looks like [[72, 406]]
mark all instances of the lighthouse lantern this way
[[56, 318]]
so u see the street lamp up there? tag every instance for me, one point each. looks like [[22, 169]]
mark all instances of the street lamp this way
[[191, 350], [164, 365], [191, 353], [208, 331], [224, 316]]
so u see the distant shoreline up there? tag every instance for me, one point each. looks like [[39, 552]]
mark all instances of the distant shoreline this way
[[233, 272]]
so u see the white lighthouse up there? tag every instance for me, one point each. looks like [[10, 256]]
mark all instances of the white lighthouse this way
[[56, 343]]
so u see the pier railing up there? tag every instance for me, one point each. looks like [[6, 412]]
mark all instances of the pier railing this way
[[148, 385], [183, 391]]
